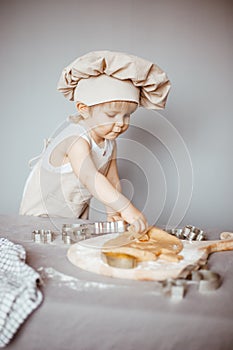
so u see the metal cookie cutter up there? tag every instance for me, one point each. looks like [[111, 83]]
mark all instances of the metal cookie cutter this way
[[178, 232], [174, 288], [43, 236], [123, 261], [188, 232], [105, 227], [72, 233], [207, 280], [193, 233]]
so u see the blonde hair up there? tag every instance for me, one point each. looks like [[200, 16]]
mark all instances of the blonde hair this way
[[112, 104]]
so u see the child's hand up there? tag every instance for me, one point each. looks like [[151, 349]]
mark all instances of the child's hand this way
[[134, 217], [115, 217]]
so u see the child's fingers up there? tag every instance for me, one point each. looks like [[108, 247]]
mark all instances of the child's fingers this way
[[114, 218], [140, 225], [117, 218]]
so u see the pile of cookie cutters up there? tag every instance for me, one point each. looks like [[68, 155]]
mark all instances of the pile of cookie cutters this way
[[204, 279], [73, 233], [189, 232]]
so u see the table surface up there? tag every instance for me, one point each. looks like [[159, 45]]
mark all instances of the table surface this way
[[83, 310]]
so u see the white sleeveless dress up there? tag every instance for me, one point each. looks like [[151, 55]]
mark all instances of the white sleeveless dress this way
[[57, 191]]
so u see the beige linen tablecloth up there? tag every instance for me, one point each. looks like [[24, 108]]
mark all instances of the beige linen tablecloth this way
[[82, 310]]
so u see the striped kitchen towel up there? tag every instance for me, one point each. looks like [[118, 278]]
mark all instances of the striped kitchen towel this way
[[19, 293]]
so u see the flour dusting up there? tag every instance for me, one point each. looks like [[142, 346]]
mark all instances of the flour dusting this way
[[62, 280], [72, 282]]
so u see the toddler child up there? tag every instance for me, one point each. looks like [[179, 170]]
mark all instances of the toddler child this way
[[80, 162]]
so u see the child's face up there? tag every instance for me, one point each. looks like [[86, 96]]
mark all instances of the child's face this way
[[110, 119]]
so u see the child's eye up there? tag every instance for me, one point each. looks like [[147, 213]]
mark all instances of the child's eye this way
[[113, 115]]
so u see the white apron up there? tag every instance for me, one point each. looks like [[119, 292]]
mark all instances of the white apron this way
[[56, 191]]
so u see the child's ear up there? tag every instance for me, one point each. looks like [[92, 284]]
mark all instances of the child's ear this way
[[83, 109]]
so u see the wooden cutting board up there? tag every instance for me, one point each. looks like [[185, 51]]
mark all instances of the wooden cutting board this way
[[87, 256]]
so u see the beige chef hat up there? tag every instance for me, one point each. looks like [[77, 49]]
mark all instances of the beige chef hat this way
[[103, 76]]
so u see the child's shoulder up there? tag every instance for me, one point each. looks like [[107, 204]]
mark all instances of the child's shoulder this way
[[68, 130]]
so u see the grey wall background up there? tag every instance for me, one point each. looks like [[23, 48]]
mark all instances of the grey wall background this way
[[190, 40]]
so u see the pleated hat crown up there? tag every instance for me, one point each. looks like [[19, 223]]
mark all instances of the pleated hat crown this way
[[103, 76]]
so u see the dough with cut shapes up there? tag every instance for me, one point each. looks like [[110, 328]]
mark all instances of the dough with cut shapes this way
[[157, 243]]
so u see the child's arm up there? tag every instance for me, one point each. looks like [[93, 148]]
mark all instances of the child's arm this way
[[113, 177], [100, 187]]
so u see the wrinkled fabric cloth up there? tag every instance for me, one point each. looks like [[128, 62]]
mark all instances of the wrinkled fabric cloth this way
[[152, 81], [19, 293]]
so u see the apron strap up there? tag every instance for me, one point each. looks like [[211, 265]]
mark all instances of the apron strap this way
[[34, 160]]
